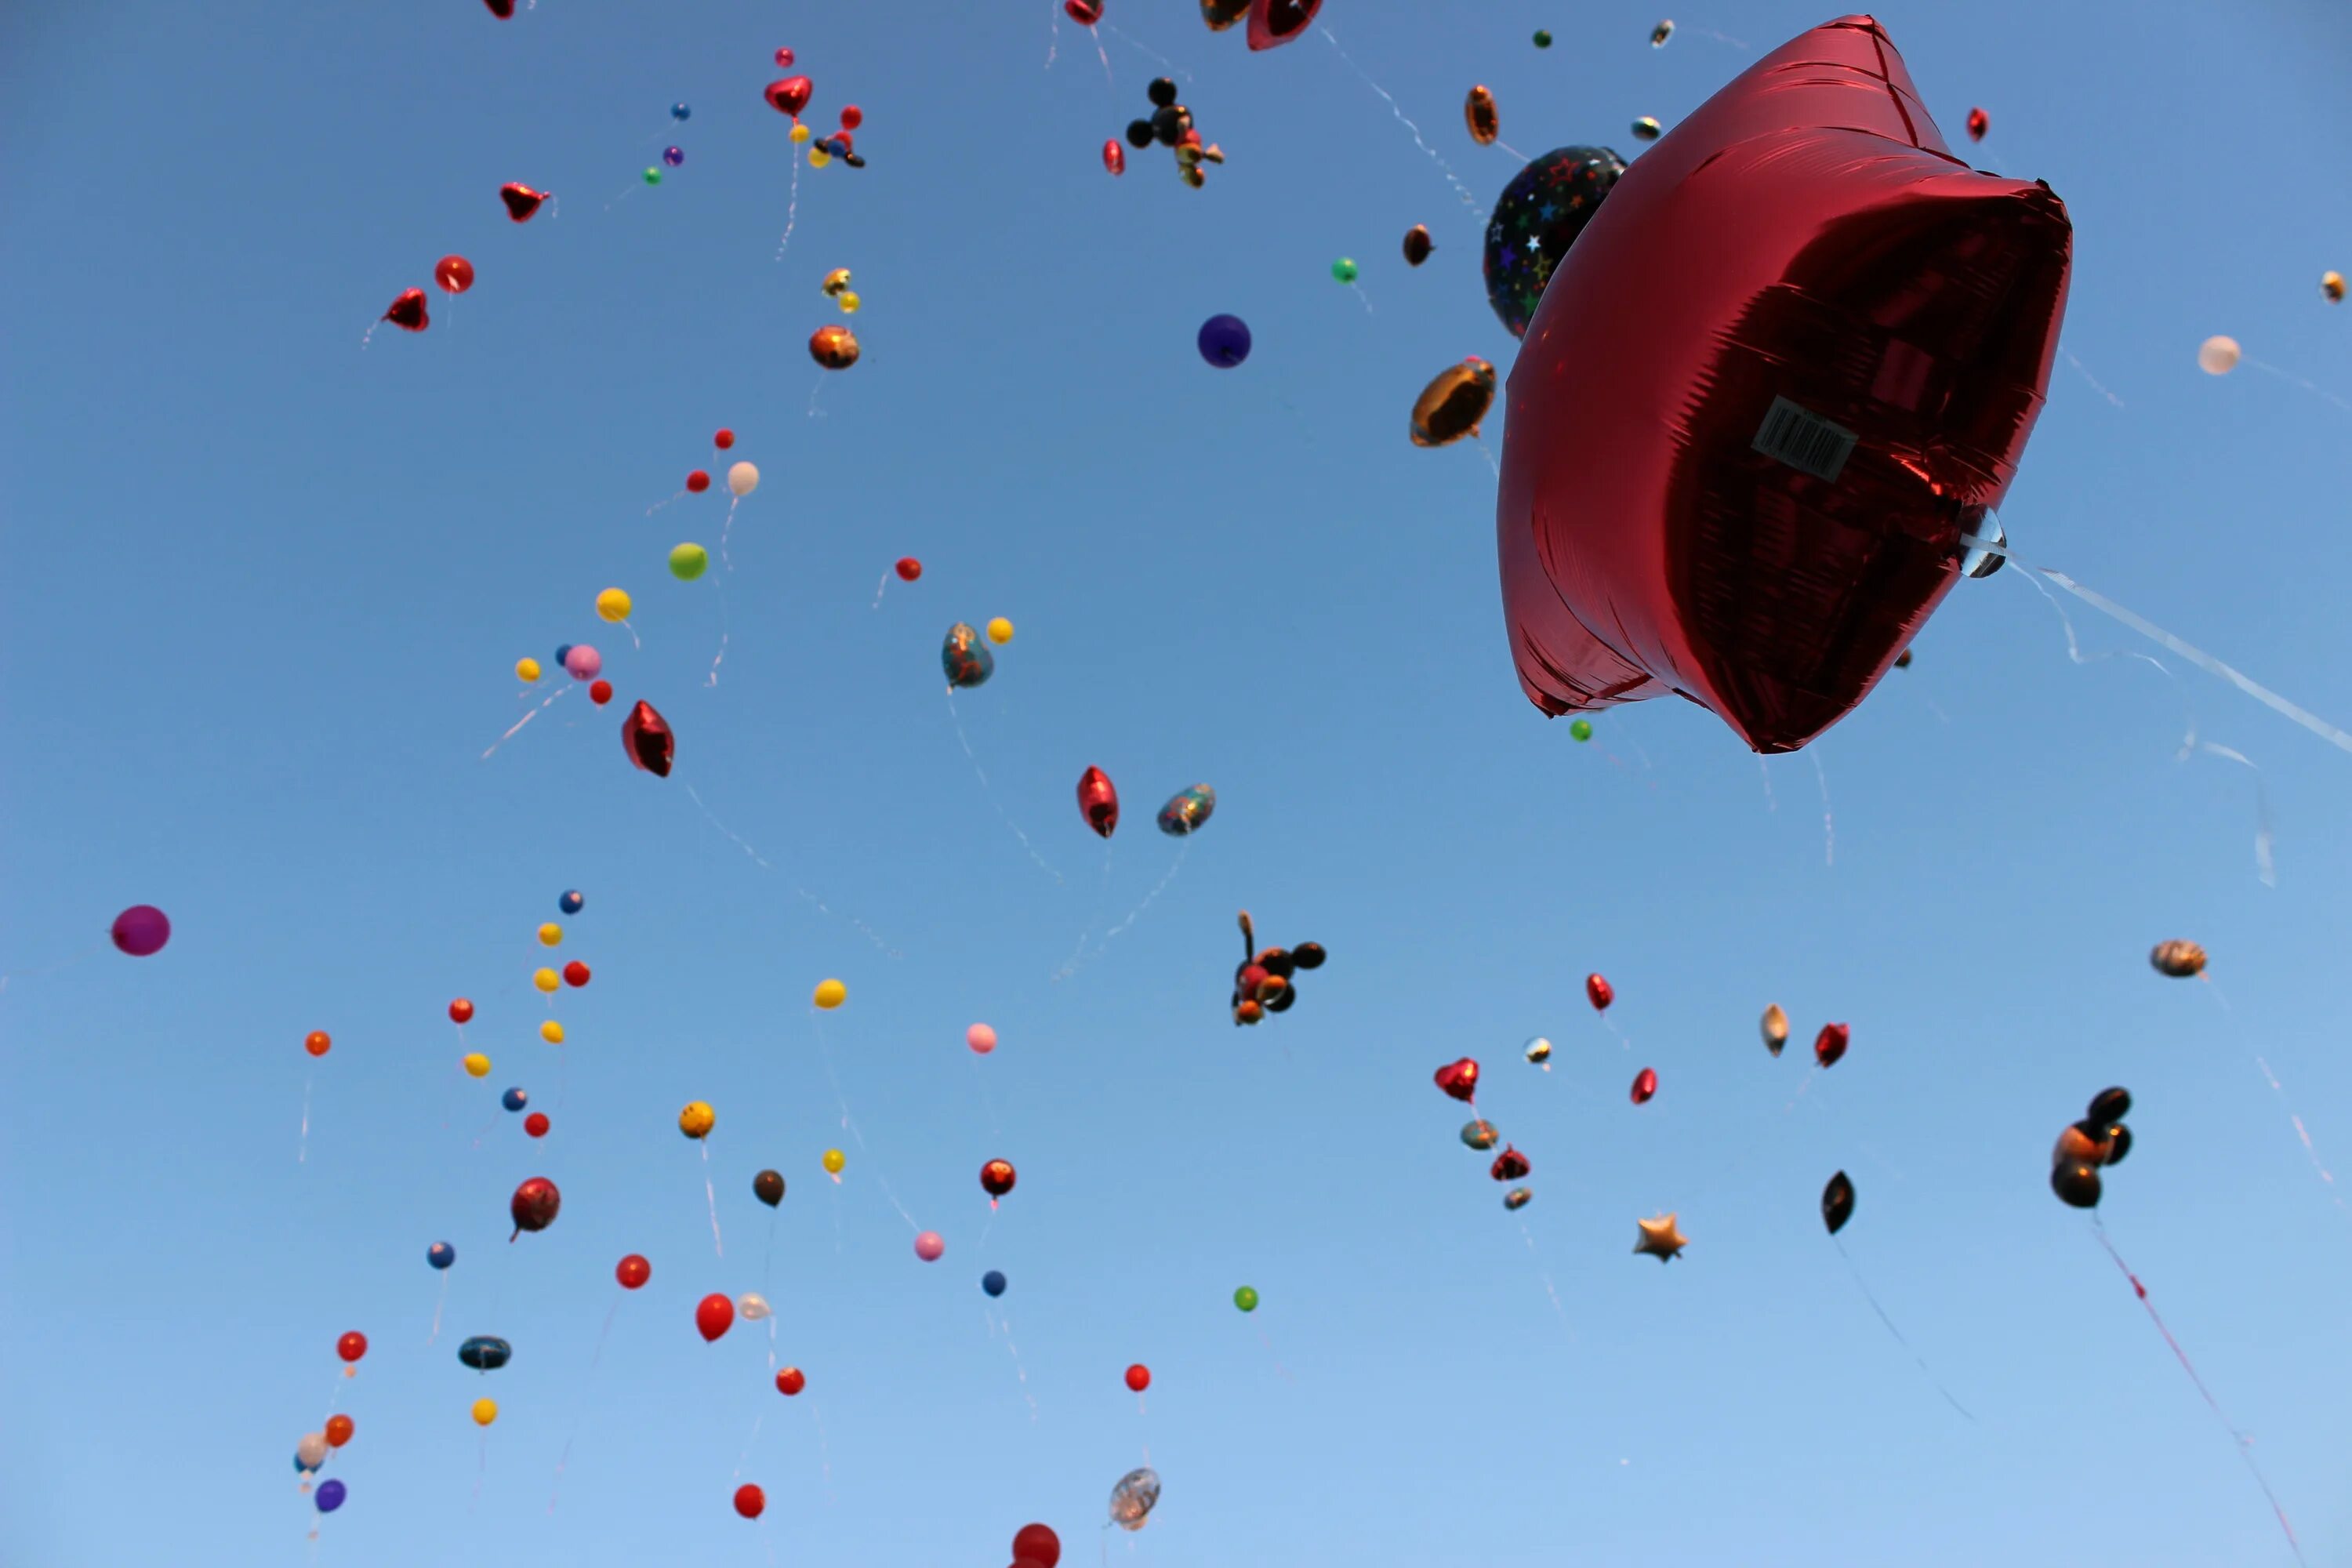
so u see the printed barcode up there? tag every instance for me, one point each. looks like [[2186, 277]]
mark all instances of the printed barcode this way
[[1806, 442]]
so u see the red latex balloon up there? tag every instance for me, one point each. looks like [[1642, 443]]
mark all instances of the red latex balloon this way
[[909, 569], [1274, 22], [645, 736], [1460, 1079], [790, 1381], [317, 1042], [521, 200], [536, 1124], [1139, 1377], [339, 1430], [1039, 1544], [1751, 491], [1114, 157], [407, 311], [1979, 124], [1646, 1084], [1084, 12], [791, 95], [1598, 992], [599, 692], [714, 1316], [1830, 1043], [352, 1346], [632, 1271], [852, 117], [750, 1501], [454, 273], [997, 1178], [575, 973], [1098, 802], [461, 1011], [723, 440], [534, 1205], [697, 482]]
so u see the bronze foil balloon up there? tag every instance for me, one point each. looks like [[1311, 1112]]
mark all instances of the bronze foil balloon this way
[[1452, 406]]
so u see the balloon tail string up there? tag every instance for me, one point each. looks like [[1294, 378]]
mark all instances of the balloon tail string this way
[[2294, 379], [302, 1153], [1158, 888], [440, 1300], [1173, 69], [526, 718], [1468, 199], [1070, 965], [1282, 1372], [827, 910], [1054, 32], [1829, 822], [849, 1124], [1610, 1023], [1925, 1371], [2326, 1176], [823, 1448], [710, 1196], [2083, 371], [745, 1456], [815, 391], [1516, 156], [1028, 848], [634, 641], [879, 588], [2245, 1444], [1020, 1373], [792, 209], [1771, 802], [1544, 1274], [1485, 451], [1366, 301], [728, 832], [986, 1098], [1104, 56]]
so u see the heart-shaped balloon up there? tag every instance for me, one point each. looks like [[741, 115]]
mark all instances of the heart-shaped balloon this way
[[1830, 1043], [502, 9], [1459, 1079], [1274, 22], [791, 95], [522, 201], [407, 311]]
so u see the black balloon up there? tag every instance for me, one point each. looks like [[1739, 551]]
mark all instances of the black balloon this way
[[2118, 1144], [1837, 1202], [1139, 133], [1307, 955], [1162, 92], [1537, 218], [2109, 1105], [768, 1186], [2076, 1184]]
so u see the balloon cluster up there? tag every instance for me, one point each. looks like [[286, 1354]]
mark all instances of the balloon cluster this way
[[1170, 125], [1459, 1080], [1262, 981], [1271, 23], [789, 95], [2099, 1138], [312, 1452], [837, 290]]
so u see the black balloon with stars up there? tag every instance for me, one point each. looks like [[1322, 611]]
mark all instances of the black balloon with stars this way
[[1537, 218]]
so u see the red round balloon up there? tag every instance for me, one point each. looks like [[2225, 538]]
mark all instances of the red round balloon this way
[[352, 1346], [997, 1178], [1752, 492], [1646, 1084], [1139, 1377], [697, 482], [1038, 1544], [317, 1042], [750, 1501], [599, 692], [852, 117], [714, 1316], [909, 569], [790, 1382], [723, 440], [536, 1124], [1598, 992], [454, 273], [461, 1011], [632, 1271], [575, 973], [534, 1205], [1830, 1043]]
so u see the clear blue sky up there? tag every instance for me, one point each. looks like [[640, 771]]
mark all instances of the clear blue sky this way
[[263, 593]]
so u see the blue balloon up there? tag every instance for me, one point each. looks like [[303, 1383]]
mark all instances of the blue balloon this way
[[331, 1495], [563, 650], [302, 1469], [485, 1353], [572, 902], [514, 1099], [440, 1255], [992, 1282], [672, 156], [681, 112], [1225, 342]]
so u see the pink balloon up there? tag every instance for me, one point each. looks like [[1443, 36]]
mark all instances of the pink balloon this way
[[583, 663], [928, 1246], [142, 931], [980, 1038]]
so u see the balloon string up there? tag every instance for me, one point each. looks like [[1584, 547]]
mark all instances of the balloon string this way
[[1020, 1373], [1173, 69], [481, 1473], [302, 1154], [1102, 894], [2245, 1444], [1468, 200], [823, 1449], [1771, 802], [986, 1098], [793, 210], [2084, 372], [564, 1458], [2296, 381], [744, 1457], [1284, 1372], [63, 964], [2325, 1176], [634, 641], [879, 590], [1542, 1273], [1366, 301], [711, 1195], [1101, 55], [1053, 35], [849, 1123], [1160, 887], [1610, 1023], [982, 773], [815, 391], [1516, 156], [526, 718], [440, 1299], [1485, 451], [1829, 821], [827, 910], [1925, 1371]]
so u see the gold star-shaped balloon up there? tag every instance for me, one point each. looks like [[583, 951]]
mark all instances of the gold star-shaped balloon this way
[[1660, 1239]]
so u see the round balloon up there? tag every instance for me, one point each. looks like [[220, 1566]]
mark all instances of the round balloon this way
[[714, 1316], [632, 1271], [142, 931], [687, 562], [980, 1038], [440, 1255], [331, 1495], [696, 1120], [1538, 217], [1246, 1298], [929, 1246], [830, 993], [992, 1282], [1224, 341], [742, 479]]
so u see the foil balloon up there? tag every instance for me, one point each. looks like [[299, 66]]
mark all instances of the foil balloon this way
[[1516, 1198], [1775, 1027], [2178, 959], [485, 1353], [1829, 1046], [1479, 1135], [1598, 992], [1460, 1079], [521, 200], [1537, 218], [1478, 112], [1098, 801], [1452, 406], [1979, 124], [1219, 15], [833, 346], [1646, 1084], [1754, 490], [534, 1205], [789, 96], [966, 657], [1271, 23], [1837, 1202], [1187, 811], [646, 736], [1418, 245], [1510, 1165], [407, 311], [1114, 157], [1132, 1501]]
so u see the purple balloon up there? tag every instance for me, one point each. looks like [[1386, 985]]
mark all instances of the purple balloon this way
[[331, 1495], [142, 931], [1224, 341], [672, 156], [583, 662]]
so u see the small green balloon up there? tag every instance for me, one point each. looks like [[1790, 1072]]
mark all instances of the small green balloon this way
[[1246, 1298], [1543, 39], [1581, 730], [1344, 270], [653, 176], [688, 562]]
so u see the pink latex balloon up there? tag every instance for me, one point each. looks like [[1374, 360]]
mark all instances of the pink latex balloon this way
[[980, 1038], [929, 1246], [583, 663], [784, 60]]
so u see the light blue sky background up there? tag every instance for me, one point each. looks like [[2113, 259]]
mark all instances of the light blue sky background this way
[[263, 591]]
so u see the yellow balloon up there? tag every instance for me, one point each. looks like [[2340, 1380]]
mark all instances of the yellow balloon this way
[[478, 1066], [551, 1032], [830, 993], [819, 157], [550, 934], [526, 671], [834, 1161], [547, 980], [800, 131], [613, 605], [485, 1412], [696, 1120], [850, 302], [999, 631]]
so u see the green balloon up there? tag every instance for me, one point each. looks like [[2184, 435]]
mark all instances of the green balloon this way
[[688, 562], [1246, 1298], [1344, 270], [653, 176], [1581, 730], [1543, 39]]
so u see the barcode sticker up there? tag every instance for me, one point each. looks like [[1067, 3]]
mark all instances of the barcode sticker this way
[[1806, 442]]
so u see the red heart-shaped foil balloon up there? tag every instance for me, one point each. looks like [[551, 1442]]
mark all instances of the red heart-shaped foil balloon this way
[[407, 311], [1830, 1043], [1459, 1079], [502, 9], [791, 95], [646, 736], [522, 201], [1274, 22]]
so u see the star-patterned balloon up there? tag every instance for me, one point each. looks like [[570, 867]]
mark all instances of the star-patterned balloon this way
[[1660, 1239], [1537, 218]]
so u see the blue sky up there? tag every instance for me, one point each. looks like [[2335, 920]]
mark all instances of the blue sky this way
[[265, 591]]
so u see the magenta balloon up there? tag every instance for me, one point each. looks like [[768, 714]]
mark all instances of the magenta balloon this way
[[581, 662], [142, 931]]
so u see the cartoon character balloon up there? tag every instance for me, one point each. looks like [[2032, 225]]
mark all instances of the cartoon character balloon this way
[[966, 657]]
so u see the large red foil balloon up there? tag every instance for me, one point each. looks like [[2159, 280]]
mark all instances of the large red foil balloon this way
[[1098, 801], [791, 95], [1460, 1079], [645, 736], [1791, 361], [1831, 1044], [521, 200], [408, 312], [535, 1204], [1274, 22]]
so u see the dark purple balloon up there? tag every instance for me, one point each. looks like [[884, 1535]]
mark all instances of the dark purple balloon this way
[[672, 156], [1224, 341], [142, 931], [331, 1495]]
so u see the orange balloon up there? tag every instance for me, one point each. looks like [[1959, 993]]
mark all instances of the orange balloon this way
[[317, 1042], [338, 1431]]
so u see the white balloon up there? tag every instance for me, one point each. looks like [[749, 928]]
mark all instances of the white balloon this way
[[2218, 356], [743, 478], [311, 1450], [754, 1307]]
